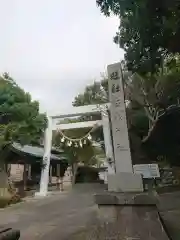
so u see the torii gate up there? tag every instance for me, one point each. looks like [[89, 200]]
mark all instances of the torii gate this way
[[124, 179], [53, 124]]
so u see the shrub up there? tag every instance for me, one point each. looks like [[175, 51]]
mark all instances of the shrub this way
[[15, 199], [86, 174], [5, 201]]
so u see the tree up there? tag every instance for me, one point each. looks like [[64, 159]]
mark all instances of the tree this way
[[148, 31], [149, 97], [153, 95], [97, 93], [154, 107], [163, 141], [20, 119]]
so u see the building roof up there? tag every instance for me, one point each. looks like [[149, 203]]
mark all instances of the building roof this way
[[34, 151]]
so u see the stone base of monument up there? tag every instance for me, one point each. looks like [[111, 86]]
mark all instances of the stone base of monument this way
[[125, 182], [129, 216]]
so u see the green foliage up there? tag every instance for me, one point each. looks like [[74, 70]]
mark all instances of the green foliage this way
[[163, 141], [148, 31], [19, 116], [96, 93], [154, 94], [149, 96], [93, 94], [139, 122], [86, 174], [152, 97]]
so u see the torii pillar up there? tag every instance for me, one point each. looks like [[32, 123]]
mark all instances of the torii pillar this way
[[43, 191]]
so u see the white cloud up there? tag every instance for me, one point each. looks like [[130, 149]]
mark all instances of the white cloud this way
[[53, 48]]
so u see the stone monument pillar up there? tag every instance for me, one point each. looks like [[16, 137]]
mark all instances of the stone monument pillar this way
[[124, 180], [126, 212]]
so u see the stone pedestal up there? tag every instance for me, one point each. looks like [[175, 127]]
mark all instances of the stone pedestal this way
[[125, 182], [128, 216]]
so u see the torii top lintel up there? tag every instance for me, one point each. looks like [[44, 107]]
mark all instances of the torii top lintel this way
[[78, 111]]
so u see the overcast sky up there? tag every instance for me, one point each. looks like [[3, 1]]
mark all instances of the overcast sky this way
[[54, 48]]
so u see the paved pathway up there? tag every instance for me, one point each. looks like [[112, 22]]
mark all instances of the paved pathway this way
[[62, 215], [53, 217]]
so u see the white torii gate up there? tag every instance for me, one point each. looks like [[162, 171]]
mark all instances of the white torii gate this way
[[53, 124], [124, 179]]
